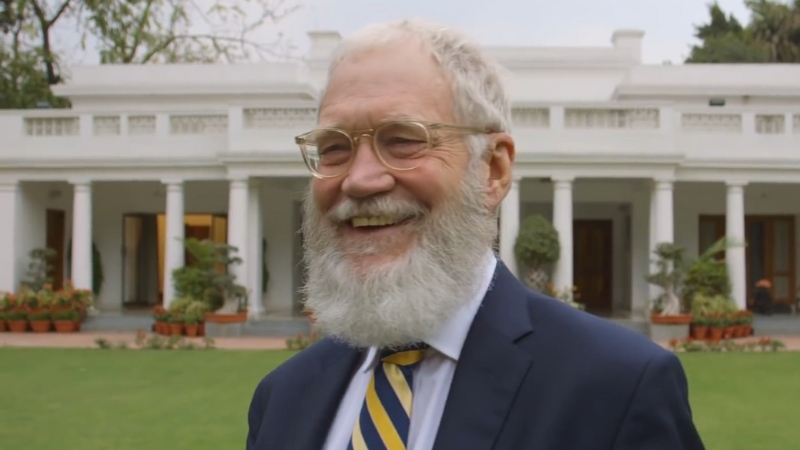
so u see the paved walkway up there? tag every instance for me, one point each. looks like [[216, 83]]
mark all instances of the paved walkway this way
[[87, 340]]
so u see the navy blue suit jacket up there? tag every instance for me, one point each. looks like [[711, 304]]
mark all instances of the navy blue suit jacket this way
[[534, 373]]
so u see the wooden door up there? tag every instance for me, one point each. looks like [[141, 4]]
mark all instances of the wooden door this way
[[55, 240], [769, 253], [592, 261]]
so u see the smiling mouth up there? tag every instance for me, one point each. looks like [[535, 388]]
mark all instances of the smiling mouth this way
[[376, 222]]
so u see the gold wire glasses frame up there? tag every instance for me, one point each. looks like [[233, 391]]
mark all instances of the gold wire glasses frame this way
[[399, 145]]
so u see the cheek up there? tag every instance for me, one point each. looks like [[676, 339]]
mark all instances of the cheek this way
[[325, 193], [429, 187]]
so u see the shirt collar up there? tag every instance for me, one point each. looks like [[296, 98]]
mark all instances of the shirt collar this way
[[449, 340]]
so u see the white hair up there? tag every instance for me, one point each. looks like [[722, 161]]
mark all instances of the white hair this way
[[480, 96]]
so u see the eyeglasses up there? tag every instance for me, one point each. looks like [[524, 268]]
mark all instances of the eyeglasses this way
[[400, 145]]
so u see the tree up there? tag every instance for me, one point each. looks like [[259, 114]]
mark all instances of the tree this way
[[126, 32], [772, 36]]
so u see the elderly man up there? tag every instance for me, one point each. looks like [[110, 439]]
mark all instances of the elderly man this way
[[432, 342]]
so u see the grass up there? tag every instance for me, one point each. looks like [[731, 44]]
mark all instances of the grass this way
[[83, 399], [744, 401], [139, 400]]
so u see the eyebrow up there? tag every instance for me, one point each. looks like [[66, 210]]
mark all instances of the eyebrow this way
[[387, 119]]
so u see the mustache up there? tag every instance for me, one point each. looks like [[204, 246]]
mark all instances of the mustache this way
[[376, 206]]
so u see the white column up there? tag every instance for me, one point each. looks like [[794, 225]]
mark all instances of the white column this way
[[173, 248], [653, 238], [562, 221], [735, 253], [255, 236], [237, 227], [10, 201], [509, 226], [81, 264], [665, 221]]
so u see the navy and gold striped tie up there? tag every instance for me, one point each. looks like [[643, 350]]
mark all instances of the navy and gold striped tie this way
[[386, 414]]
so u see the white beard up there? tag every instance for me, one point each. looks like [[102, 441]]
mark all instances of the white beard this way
[[409, 299]]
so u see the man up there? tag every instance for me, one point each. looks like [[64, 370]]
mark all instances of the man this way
[[433, 343]]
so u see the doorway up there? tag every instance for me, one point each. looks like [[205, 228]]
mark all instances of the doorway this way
[[592, 252], [55, 240], [769, 254], [144, 242]]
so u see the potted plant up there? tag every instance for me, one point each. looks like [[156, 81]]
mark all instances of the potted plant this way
[[667, 308], [699, 327], [3, 308], [40, 321], [160, 316], [668, 319], [193, 318], [66, 321], [537, 248], [208, 279], [17, 320], [707, 275]]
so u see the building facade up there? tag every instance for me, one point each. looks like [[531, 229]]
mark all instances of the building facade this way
[[619, 155]]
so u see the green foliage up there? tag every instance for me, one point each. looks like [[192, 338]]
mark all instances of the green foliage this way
[[265, 271], [537, 243], [207, 278], [40, 269], [772, 36], [670, 266], [707, 275], [126, 32], [97, 267]]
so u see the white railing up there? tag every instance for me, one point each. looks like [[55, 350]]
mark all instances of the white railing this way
[[693, 132]]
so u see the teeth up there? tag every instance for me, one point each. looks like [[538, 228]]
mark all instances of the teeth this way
[[372, 221]]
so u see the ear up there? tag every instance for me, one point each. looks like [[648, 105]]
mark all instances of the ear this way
[[501, 162]]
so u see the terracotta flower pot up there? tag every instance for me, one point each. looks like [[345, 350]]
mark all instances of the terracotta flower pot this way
[[678, 319], [716, 333], [41, 326], [18, 326], [65, 326], [699, 332], [191, 330], [175, 329], [3, 326]]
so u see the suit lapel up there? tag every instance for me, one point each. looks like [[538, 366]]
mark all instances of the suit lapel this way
[[490, 369], [319, 399]]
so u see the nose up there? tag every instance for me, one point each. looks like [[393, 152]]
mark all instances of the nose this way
[[367, 175]]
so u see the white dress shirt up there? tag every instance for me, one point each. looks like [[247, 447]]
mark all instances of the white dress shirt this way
[[432, 377]]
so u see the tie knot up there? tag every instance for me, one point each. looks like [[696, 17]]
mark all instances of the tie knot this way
[[404, 356]]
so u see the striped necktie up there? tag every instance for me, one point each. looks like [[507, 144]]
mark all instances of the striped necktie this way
[[386, 414]]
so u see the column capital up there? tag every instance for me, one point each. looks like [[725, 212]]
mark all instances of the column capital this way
[[556, 179], [239, 182], [9, 185], [172, 181], [736, 183], [80, 182], [663, 184]]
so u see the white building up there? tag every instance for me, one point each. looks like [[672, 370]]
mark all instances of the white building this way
[[620, 155]]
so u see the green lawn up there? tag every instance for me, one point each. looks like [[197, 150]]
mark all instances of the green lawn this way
[[113, 400]]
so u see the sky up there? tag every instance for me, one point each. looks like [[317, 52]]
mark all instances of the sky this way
[[668, 24]]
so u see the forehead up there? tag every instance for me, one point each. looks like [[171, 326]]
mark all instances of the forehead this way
[[398, 80]]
